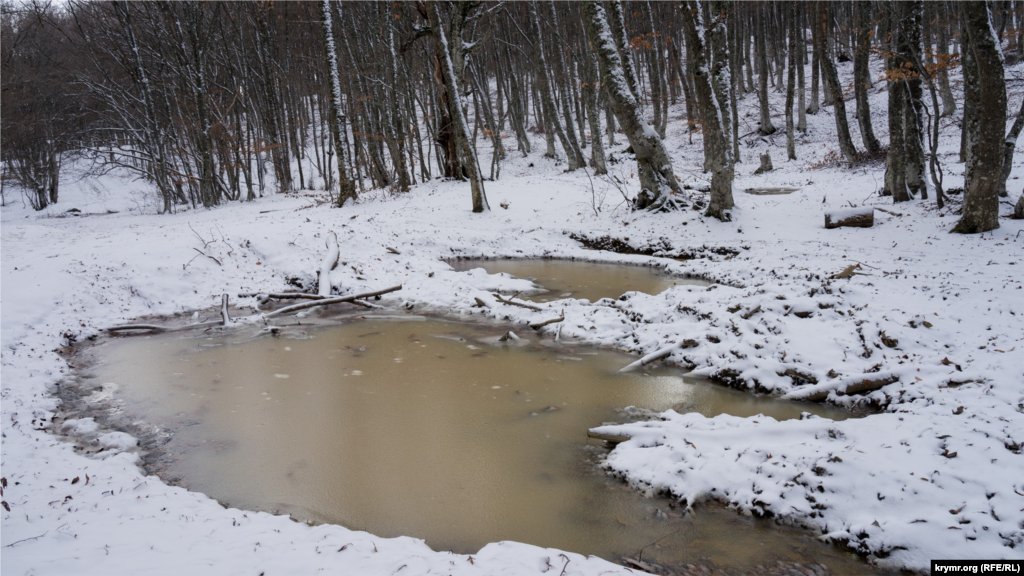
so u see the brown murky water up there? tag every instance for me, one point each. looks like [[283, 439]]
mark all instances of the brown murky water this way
[[578, 278], [425, 429]]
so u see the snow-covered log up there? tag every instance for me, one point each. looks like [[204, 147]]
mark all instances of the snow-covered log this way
[[843, 386], [854, 217], [659, 355]]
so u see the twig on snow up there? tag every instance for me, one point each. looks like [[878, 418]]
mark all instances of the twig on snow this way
[[27, 539]]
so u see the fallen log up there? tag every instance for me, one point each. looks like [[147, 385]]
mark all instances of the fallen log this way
[[126, 327], [851, 385], [281, 295], [850, 217], [329, 301], [158, 328], [224, 321], [867, 385], [659, 355]]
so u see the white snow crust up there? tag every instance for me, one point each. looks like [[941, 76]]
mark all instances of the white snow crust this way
[[937, 474]]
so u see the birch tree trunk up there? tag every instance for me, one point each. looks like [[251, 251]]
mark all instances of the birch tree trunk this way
[[336, 116]]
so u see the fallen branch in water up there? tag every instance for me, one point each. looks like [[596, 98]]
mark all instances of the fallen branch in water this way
[[539, 325], [281, 295], [226, 318], [329, 301], [158, 328], [520, 304]]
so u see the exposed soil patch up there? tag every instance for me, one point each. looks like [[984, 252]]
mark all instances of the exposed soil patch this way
[[661, 247]]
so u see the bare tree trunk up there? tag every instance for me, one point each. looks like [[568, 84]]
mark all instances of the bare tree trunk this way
[[1010, 144], [547, 99], [895, 161], [801, 123], [862, 77], [618, 32], [590, 97], [460, 126], [831, 78], [812, 108], [337, 120], [762, 80], [717, 147], [981, 200], [943, 57], [791, 81], [913, 106], [658, 182]]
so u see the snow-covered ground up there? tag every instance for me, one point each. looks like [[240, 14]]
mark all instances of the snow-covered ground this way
[[938, 474]]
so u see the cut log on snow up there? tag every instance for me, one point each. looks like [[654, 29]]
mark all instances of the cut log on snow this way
[[329, 262], [659, 354], [612, 439], [851, 217], [539, 325], [771, 190], [329, 301]]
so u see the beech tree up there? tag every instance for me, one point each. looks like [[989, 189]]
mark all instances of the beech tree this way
[[981, 197], [657, 181], [718, 153], [212, 102]]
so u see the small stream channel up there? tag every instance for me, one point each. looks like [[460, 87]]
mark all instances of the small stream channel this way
[[433, 429]]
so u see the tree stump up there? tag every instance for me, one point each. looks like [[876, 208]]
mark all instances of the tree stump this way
[[766, 164], [853, 217]]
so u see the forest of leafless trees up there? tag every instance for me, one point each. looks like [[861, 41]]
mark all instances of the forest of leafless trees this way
[[220, 101]]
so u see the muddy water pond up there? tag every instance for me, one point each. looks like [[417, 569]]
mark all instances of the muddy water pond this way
[[579, 279], [433, 430]]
